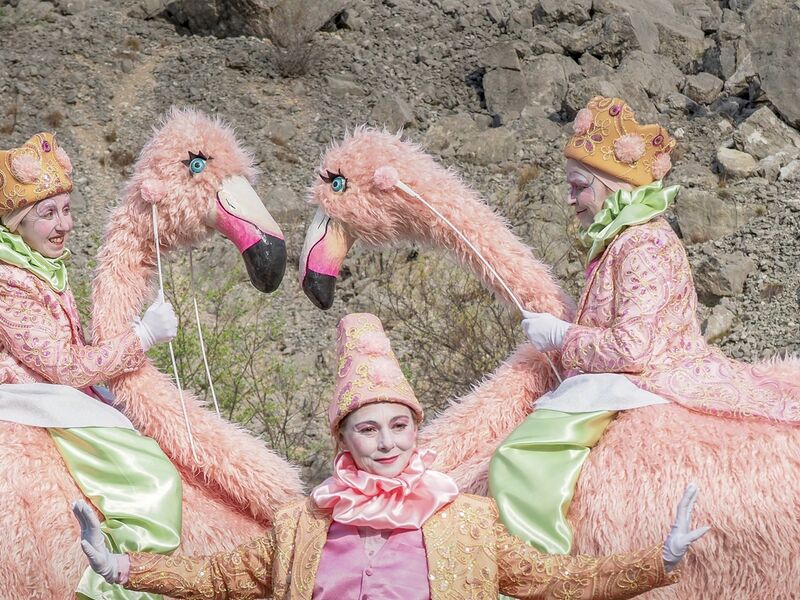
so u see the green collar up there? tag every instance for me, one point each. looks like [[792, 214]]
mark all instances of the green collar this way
[[14, 251], [623, 209]]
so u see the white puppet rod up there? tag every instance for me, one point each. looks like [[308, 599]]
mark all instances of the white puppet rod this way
[[171, 350], [392, 174]]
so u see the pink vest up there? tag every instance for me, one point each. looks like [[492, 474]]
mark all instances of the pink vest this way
[[398, 571]]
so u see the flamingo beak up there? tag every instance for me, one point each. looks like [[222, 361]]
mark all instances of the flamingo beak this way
[[241, 216], [324, 250]]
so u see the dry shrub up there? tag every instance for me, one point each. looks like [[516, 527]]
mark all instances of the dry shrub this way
[[7, 128], [54, 119], [255, 386]]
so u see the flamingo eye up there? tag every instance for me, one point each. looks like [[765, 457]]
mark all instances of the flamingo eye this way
[[339, 184], [196, 162]]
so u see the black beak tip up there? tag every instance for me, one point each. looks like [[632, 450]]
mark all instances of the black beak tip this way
[[266, 263], [319, 289]]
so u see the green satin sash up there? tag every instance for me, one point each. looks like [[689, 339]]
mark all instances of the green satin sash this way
[[130, 480], [533, 473], [623, 209], [15, 251]]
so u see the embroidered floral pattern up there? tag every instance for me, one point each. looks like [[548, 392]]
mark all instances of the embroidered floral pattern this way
[[637, 316], [41, 338]]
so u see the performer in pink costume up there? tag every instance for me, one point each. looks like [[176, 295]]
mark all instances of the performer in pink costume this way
[[385, 525], [197, 176], [741, 459]]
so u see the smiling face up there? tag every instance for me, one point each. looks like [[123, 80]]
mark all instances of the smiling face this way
[[47, 226], [381, 437], [586, 192]]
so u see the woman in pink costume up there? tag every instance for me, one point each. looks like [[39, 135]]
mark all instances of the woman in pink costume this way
[[385, 525], [635, 341], [50, 375]]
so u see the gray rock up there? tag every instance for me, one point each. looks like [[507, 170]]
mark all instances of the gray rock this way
[[147, 9], [719, 324], [773, 39], [593, 67], [735, 164], [678, 103], [279, 132], [790, 172], [547, 78], [556, 11], [770, 166], [659, 28], [716, 277], [392, 112], [506, 93], [446, 135], [489, 147], [693, 174], [500, 56], [763, 134], [340, 87], [704, 216], [657, 75], [744, 75], [581, 91], [703, 87]]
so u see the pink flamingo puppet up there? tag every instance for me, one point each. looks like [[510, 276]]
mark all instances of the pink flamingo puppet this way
[[743, 467], [230, 491]]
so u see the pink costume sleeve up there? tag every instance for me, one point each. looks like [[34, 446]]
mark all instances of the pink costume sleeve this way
[[31, 333], [641, 289]]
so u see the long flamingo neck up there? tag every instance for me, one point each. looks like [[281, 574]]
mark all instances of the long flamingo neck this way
[[124, 274], [530, 280]]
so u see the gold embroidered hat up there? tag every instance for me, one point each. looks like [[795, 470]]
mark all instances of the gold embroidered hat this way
[[608, 138], [368, 371], [37, 170]]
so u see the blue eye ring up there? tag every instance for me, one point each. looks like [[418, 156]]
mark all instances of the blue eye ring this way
[[339, 184], [197, 165], [196, 162]]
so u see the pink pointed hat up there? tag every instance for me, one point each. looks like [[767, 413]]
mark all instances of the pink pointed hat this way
[[368, 371]]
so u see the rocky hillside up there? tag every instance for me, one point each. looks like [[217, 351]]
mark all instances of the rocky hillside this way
[[488, 86]]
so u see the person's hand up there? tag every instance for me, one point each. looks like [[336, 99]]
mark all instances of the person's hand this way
[[158, 325], [680, 536], [102, 562], [544, 331]]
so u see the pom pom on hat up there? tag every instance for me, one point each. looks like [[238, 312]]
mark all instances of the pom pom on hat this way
[[629, 148], [63, 159], [583, 122], [661, 166], [26, 168]]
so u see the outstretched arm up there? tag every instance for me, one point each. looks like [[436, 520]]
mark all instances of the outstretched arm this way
[[242, 574], [525, 573]]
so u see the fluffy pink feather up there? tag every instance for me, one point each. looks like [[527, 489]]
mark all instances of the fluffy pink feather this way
[[661, 166], [583, 122], [26, 168]]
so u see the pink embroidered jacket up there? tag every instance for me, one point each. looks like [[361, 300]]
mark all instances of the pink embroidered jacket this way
[[41, 338], [637, 316]]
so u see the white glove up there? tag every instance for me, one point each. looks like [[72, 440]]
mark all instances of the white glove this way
[[544, 331], [159, 323], [680, 538], [102, 562]]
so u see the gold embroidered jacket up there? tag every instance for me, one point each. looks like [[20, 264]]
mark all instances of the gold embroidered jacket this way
[[470, 555]]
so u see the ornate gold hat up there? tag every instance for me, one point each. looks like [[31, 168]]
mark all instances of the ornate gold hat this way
[[37, 170], [368, 370], [608, 138]]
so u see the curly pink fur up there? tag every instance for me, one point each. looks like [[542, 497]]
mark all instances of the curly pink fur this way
[[385, 178], [629, 148]]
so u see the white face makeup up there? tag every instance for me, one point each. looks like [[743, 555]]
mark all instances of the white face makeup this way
[[47, 226], [381, 438], [586, 193]]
